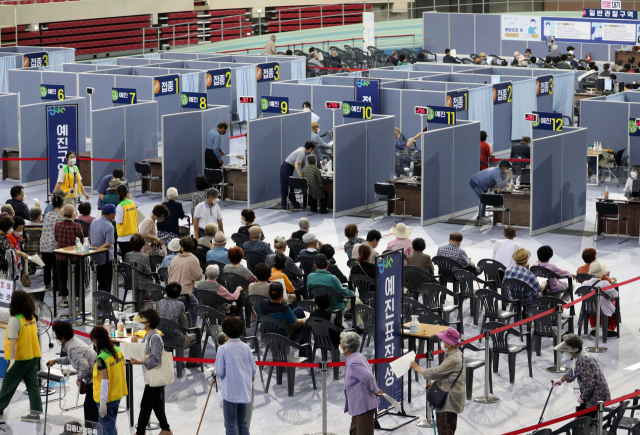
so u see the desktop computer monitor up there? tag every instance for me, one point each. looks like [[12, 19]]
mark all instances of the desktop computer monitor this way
[[635, 189], [620, 86], [608, 84], [599, 84], [525, 177]]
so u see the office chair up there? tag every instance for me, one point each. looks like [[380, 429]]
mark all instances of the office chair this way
[[216, 178], [300, 186], [143, 172], [494, 203], [388, 194], [609, 211]]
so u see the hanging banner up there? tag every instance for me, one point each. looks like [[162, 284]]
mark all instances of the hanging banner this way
[[615, 14], [544, 86], [52, 92], [459, 100], [165, 85], [124, 96], [193, 100], [389, 323], [502, 93], [35, 59], [441, 115], [520, 28], [356, 109], [278, 105], [268, 72], [368, 91], [634, 127], [62, 137], [548, 121], [219, 78], [368, 35]]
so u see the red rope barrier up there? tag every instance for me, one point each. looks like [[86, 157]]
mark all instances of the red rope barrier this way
[[100, 160], [23, 158], [235, 137]]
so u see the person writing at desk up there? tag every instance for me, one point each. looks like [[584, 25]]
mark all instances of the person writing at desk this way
[[213, 153], [293, 162], [523, 149], [633, 175], [488, 178]]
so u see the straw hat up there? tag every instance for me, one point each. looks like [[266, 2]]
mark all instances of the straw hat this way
[[483, 54], [315, 125], [114, 183], [521, 256], [597, 269], [401, 231]]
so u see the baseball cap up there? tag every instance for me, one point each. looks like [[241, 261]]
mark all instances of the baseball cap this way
[[108, 209]]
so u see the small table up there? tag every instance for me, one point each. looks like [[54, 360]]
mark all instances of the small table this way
[[519, 203], [597, 155], [11, 168], [71, 250], [629, 208], [154, 186], [411, 191], [236, 175]]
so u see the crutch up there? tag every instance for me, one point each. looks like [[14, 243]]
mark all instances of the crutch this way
[[545, 404], [205, 404]]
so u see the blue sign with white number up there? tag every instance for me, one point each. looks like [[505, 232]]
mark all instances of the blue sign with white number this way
[[502, 93], [368, 91], [610, 13], [544, 85], [62, 137], [275, 105], [193, 100], [268, 72], [548, 121], [166, 85], [389, 323], [219, 78], [52, 92], [124, 96], [459, 100], [441, 115], [356, 109], [38, 59]]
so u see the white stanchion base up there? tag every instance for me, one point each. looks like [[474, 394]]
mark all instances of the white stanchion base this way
[[424, 423], [486, 399], [561, 369], [597, 349]]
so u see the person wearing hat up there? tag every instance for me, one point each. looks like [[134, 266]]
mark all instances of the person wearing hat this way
[[571, 58], [483, 58], [153, 397], [311, 251], [315, 136], [66, 232], [255, 244], [592, 385], [598, 272], [111, 195], [218, 251], [451, 377], [521, 272], [173, 250], [402, 240], [518, 58], [104, 187], [486, 179], [70, 180], [208, 211], [102, 234]]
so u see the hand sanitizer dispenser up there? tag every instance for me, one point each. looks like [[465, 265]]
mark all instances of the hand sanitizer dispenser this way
[[414, 325]]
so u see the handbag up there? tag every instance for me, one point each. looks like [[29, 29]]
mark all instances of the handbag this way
[[25, 279], [436, 396], [162, 374]]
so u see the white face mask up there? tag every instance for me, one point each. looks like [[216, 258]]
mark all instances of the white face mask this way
[[215, 201], [243, 219], [72, 162], [306, 109], [634, 175], [18, 233]]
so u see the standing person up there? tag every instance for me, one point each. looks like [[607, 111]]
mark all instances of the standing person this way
[[82, 358], [149, 230], [503, 250], [485, 180], [169, 228], [402, 240], [109, 381], [485, 151], [316, 191], [103, 236], [202, 186], [70, 181], [126, 219], [66, 233], [585, 369], [451, 377], [20, 209], [360, 386], [207, 212], [291, 163], [48, 244], [213, 153], [270, 47], [153, 397], [306, 107], [185, 270], [104, 186], [236, 369], [22, 351]]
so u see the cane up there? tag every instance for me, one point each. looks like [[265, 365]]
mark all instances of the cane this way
[[205, 404], [545, 404], [433, 421]]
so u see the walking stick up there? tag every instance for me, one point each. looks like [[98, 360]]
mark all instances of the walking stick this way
[[433, 419], [545, 404], [205, 405]]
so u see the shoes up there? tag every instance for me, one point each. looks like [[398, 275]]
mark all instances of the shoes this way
[[323, 212], [283, 209], [31, 418], [48, 287], [192, 365], [63, 304]]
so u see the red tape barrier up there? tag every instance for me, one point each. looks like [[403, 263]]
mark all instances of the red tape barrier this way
[[235, 137], [511, 160], [100, 160], [23, 158]]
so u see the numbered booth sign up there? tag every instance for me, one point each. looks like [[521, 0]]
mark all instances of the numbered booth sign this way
[[193, 100], [35, 59], [548, 121], [166, 85], [441, 115], [634, 127], [459, 100], [219, 78], [544, 86], [275, 105], [52, 92], [356, 109], [268, 72], [124, 96], [502, 93]]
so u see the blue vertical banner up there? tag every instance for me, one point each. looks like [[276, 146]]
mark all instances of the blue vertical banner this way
[[388, 323], [62, 137], [367, 90]]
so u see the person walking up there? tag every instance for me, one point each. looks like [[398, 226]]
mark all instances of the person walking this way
[[153, 397], [236, 369], [22, 350], [48, 244], [70, 181], [126, 219], [451, 378]]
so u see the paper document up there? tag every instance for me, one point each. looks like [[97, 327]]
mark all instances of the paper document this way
[[392, 401], [402, 364], [132, 350], [35, 258], [307, 314]]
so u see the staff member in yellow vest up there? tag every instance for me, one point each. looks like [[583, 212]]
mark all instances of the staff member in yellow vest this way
[[126, 219], [22, 349], [70, 181], [109, 383]]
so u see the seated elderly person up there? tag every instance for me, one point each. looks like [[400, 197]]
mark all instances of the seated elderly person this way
[[316, 188], [35, 215], [140, 259], [210, 230], [520, 271], [211, 284], [261, 287], [589, 255], [453, 251], [218, 251], [255, 243], [597, 271], [277, 273], [273, 307], [554, 286], [6, 208], [311, 251], [290, 269], [173, 250]]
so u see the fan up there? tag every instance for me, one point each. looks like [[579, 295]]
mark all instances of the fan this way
[[45, 319], [550, 41]]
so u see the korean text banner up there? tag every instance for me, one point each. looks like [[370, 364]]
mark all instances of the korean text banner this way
[[268, 72], [62, 137], [52, 92], [165, 85], [544, 85], [219, 78], [502, 93], [441, 115], [275, 105], [388, 323], [615, 14], [368, 91], [124, 96], [520, 28], [35, 59], [594, 30], [193, 100], [459, 100], [548, 121], [356, 109]]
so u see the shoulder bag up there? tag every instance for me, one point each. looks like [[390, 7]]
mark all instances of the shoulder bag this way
[[162, 374], [436, 396]]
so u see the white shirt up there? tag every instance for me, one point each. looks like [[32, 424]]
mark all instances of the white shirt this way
[[314, 117], [62, 174], [605, 305], [297, 156], [503, 251], [207, 215], [628, 186]]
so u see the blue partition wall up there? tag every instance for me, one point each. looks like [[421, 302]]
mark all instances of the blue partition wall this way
[[264, 139], [27, 84], [108, 142], [182, 151], [141, 134], [380, 156], [465, 145], [349, 174], [102, 84], [322, 94], [410, 122], [390, 104], [294, 133], [8, 120], [574, 189], [608, 122], [437, 170], [297, 94]]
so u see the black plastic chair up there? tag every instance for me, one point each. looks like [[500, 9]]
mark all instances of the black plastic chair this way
[[173, 340], [368, 299], [85, 227], [216, 178], [163, 272], [465, 284], [579, 426], [125, 270], [201, 254], [368, 316], [612, 420], [254, 258], [493, 271], [517, 290], [239, 240], [254, 301], [413, 277], [306, 265], [609, 212], [280, 346], [549, 302], [630, 424], [363, 284], [319, 329], [319, 289], [501, 346], [588, 308], [211, 324], [434, 296], [490, 303], [105, 301], [155, 292], [155, 261], [543, 328], [300, 186], [493, 203], [210, 299], [232, 281], [475, 363], [446, 266], [543, 272], [582, 277], [143, 172], [386, 192], [295, 246]]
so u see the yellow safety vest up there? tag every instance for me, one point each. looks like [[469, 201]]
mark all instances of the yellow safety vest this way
[[115, 372], [28, 346], [68, 183], [129, 225]]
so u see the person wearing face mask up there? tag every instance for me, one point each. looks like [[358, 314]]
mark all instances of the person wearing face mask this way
[[70, 181], [213, 152], [306, 107], [633, 175], [592, 385], [206, 212], [102, 235], [15, 237], [82, 358], [66, 232], [451, 377], [497, 176], [149, 230], [109, 381]]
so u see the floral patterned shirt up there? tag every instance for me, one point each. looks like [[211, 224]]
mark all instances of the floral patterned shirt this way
[[47, 240], [591, 380]]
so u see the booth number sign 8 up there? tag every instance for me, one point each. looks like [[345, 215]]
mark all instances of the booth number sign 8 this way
[[184, 99]]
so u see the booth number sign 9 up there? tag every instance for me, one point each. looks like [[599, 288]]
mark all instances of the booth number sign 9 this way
[[356, 109], [275, 105]]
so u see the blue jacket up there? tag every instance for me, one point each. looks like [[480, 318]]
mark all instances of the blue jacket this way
[[490, 177]]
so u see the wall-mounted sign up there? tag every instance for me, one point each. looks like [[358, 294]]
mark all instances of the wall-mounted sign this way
[[368, 91], [459, 100], [615, 14], [356, 109], [548, 121], [268, 72], [35, 59], [166, 85], [275, 105], [544, 85], [124, 96], [441, 115], [52, 92], [502, 93], [634, 127], [218, 78], [193, 100]]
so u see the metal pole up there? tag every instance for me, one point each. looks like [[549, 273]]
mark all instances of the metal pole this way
[[324, 367], [597, 348], [558, 368], [114, 277], [321, 21], [428, 422], [600, 414], [188, 34], [342, 18], [143, 31], [72, 293], [134, 290], [174, 36], [259, 23], [94, 289], [487, 398]]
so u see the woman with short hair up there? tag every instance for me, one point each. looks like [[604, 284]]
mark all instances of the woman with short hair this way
[[149, 230], [85, 212], [48, 244], [236, 254], [247, 216], [351, 231], [169, 228], [210, 231], [363, 266], [137, 256], [211, 284]]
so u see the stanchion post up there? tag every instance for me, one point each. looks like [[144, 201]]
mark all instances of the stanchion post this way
[[72, 292], [324, 367], [600, 416], [558, 368], [487, 398], [94, 289], [428, 421], [134, 290], [597, 348], [114, 277]]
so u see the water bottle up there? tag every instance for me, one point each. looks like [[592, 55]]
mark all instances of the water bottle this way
[[112, 329], [78, 245], [86, 245], [606, 192]]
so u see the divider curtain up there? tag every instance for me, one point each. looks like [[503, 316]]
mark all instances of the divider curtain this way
[[59, 57], [246, 85], [6, 63], [190, 82], [563, 94], [616, 97], [298, 69], [481, 109], [524, 101]]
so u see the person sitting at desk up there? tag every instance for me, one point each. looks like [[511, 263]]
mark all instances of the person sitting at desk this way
[[633, 175], [213, 153], [618, 65], [606, 72], [448, 58], [315, 137], [485, 180], [291, 163], [523, 149], [316, 189], [548, 62]]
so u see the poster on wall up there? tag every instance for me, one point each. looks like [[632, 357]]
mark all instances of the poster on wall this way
[[521, 28], [368, 36]]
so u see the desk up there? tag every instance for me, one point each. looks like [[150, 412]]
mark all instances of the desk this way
[[84, 166], [156, 171], [237, 175], [327, 184], [411, 191], [11, 169], [519, 202], [629, 208], [597, 155]]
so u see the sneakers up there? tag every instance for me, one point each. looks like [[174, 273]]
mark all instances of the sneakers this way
[[48, 287], [63, 304], [34, 418]]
